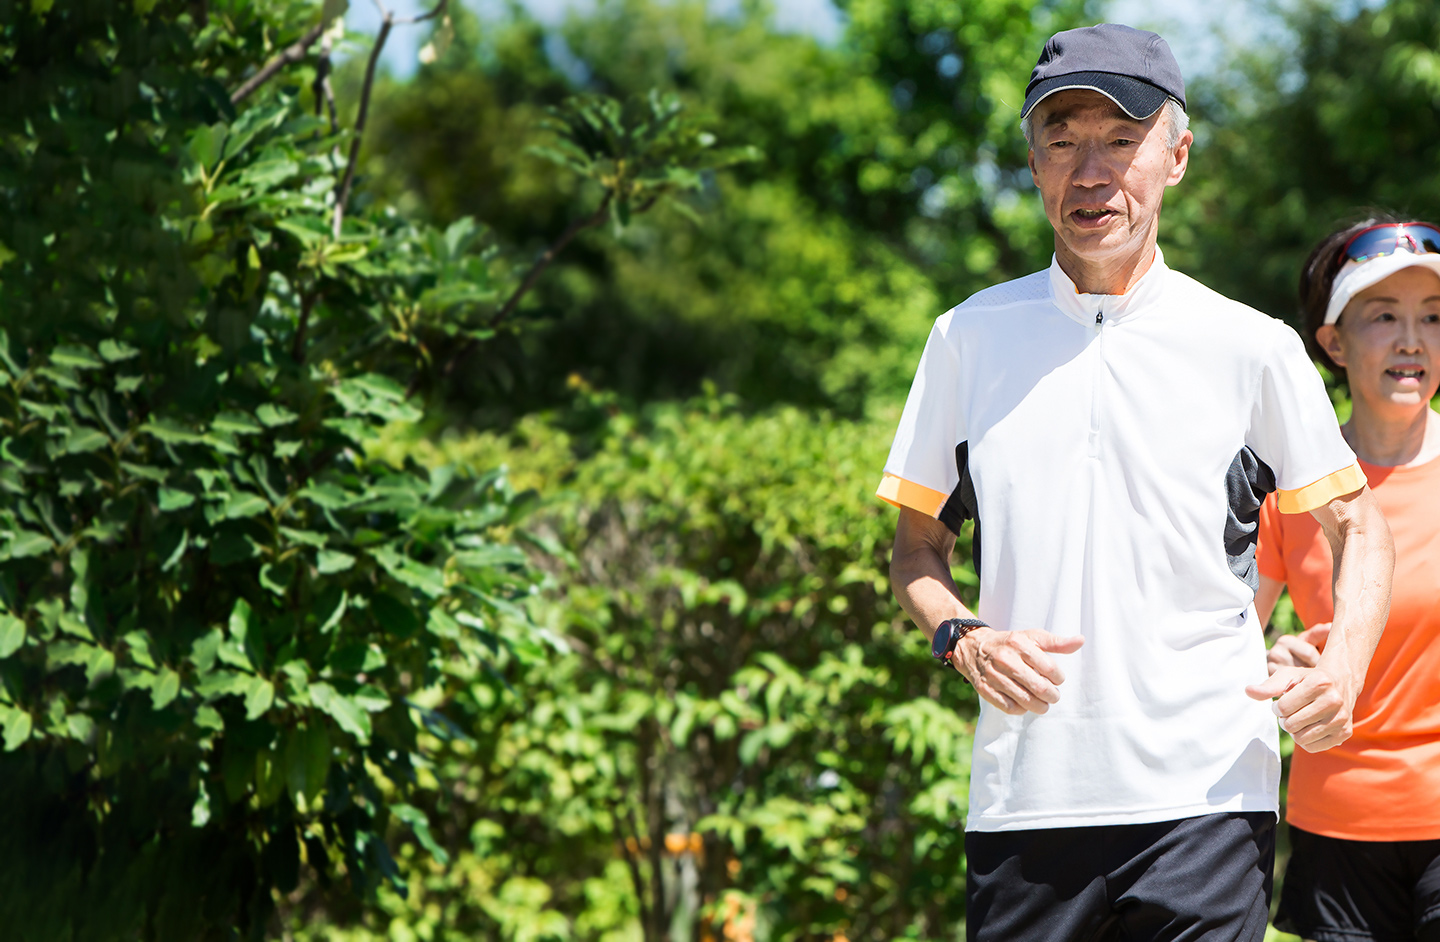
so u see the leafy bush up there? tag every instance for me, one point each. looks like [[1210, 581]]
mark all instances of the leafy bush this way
[[748, 727], [223, 627]]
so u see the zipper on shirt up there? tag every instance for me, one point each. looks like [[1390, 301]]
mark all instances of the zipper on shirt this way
[[1095, 383]]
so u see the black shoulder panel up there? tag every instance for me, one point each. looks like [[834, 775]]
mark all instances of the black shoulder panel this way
[[961, 505], [1246, 484]]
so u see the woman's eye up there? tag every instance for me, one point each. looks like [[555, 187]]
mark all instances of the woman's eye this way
[[1384, 316]]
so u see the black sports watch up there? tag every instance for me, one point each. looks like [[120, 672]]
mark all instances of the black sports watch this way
[[948, 635]]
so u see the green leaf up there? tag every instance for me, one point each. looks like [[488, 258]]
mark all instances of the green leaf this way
[[18, 726], [335, 608], [232, 422], [83, 439], [200, 812], [75, 357], [12, 634], [242, 617], [332, 561], [165, 688], [27, 543], [307, 537], [277, 576], [259, 698], [178, 553], [421, 826], [345, 712], [115, 351], [240, 504], [173, 499], [407, 571], [273, 416]]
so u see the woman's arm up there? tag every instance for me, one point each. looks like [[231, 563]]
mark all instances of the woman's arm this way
[[1266, 598]]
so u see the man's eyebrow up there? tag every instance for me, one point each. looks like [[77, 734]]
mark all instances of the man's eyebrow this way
[[1115, 113]]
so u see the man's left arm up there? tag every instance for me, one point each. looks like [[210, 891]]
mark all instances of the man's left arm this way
[[1316, 704]]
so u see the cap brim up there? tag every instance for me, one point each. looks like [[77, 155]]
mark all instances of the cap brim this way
[[1136, 98], [1369, 273]]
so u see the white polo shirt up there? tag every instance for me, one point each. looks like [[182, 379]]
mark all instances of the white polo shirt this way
[[1114, 451]]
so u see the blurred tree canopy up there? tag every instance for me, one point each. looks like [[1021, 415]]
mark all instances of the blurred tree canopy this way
[[893, 178]]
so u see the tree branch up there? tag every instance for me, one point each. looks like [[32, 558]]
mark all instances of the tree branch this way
[[323, 92], [307, 304], [342, 190], [636, 877], [387, 23], [439, 8], [294, 53], [533, 275], [543, 262]]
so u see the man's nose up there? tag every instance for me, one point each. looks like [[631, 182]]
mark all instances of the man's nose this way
[[1092, 169]]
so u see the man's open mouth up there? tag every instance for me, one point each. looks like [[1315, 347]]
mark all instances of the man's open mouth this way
[[1093, 213], [1408, 373]]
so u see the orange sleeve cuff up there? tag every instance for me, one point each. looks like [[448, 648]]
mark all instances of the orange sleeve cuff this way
[[1307, 498], [903, 493]]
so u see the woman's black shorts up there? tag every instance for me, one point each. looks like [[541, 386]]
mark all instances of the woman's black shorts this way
[[1361, 891]]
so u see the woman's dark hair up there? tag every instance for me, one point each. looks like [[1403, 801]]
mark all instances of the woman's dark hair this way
[[1317, 277]]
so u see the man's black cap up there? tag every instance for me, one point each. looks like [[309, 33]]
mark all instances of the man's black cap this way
[[1132, 67]]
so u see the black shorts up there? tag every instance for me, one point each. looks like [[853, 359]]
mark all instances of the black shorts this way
[[1205, 878], [1361, 891]]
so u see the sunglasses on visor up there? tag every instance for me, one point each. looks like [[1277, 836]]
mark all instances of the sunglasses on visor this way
[[1417, 238]]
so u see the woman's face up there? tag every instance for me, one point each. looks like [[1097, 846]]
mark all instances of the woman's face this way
[[1387, 339]]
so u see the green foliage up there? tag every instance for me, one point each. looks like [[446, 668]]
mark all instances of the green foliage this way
[[747, 721], [226, 632], [1294, 145], [639, 152], [222, 626], [892, 185]]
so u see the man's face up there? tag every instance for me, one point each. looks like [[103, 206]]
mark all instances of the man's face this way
[[1102, 175]]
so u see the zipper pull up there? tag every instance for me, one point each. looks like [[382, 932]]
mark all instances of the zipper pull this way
[[1099, 319]]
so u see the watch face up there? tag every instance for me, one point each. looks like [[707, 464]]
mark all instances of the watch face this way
[[940, 645]]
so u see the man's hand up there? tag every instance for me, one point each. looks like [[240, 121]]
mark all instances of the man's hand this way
[[1302, 650], [1013, 670], [1315, 706]]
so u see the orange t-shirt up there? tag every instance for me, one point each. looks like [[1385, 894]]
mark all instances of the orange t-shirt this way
[[1384, 783]]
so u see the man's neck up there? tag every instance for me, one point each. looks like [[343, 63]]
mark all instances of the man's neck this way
[[1105, 276]]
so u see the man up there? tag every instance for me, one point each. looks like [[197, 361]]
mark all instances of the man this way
[[1112, 428]]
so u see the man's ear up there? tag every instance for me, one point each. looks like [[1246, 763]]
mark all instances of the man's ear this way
[[1182, 158], [1328, 337], [1030, 159]]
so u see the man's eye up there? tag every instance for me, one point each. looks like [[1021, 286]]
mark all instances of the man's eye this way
[[1124, 142], [1384, 316]]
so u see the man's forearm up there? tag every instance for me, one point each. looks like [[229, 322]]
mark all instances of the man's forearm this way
[[1364, 567], [920, 573]]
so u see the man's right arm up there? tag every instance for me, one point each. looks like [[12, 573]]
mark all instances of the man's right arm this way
[[1013, 670]]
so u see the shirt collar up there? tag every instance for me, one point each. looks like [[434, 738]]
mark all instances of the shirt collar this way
[[1116, 307]]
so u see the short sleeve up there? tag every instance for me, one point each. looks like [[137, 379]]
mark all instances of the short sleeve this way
[[921, 471], [1293, 430], [1270, 555]]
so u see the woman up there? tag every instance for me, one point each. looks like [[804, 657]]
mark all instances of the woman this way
[[1365, 816]]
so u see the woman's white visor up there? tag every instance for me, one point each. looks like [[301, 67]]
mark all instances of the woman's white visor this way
[[1355, 277]]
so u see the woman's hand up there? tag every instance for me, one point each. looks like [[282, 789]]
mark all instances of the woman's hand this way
[[1302, 650]]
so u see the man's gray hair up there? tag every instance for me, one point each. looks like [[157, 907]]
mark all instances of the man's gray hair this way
[[1177, 122]]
